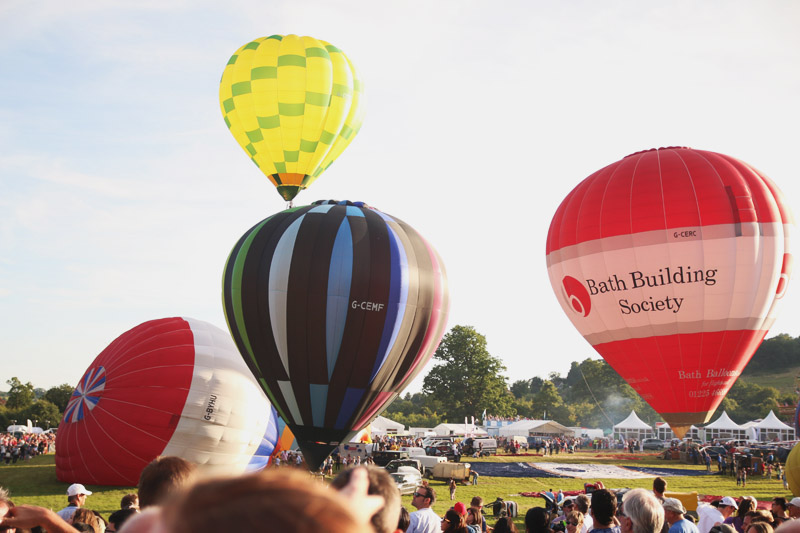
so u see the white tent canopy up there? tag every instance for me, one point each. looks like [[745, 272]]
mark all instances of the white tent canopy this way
[[542, 428], [632, 428], [459, 429], [724, 428], [770, 428], [383, 426]]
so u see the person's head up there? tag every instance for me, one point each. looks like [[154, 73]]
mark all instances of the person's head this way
[[536, 520], [381, 483], [117, 518], [779, 506], [505, 525], [452, 521], [582, 504], [574, 520], [673, 510], [793, 508], [641, 512], [745, 506], [423, 497], [759, 527], [727, 506], [659, 485], [404, 521], [722, 528], [568, 506], [164, 477], [604, 507], [285, 499], [129, 501], [86, 516], [476, 503], [761, 515], [77, 493]]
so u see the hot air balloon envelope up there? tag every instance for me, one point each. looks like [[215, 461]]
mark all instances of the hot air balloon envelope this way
[[670, 262], [335, 307], [293, 104], [174, 386]]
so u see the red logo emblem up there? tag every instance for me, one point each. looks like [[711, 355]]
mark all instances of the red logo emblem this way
[[577, 296]]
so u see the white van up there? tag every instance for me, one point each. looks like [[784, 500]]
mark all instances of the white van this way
[[413, 451]]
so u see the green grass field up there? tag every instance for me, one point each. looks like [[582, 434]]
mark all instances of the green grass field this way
[[34, 482]]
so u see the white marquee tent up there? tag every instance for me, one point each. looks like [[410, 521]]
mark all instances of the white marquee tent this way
[[535, 428], [633, 428], [723, 428], [770, 428], [459, 429], [383, 426]]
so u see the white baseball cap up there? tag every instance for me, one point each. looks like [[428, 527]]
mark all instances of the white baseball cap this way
[[727, 500], [76, 489], [795, 502]]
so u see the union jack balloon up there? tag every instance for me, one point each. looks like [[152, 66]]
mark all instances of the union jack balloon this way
[[173, 386]]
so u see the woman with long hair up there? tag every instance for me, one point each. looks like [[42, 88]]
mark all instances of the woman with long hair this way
[[505, 525], [454, 522]]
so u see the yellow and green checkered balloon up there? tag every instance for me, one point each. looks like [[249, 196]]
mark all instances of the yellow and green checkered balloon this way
[[294, 104]]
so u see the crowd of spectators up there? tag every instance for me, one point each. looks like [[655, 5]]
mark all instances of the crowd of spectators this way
[[24, 446]]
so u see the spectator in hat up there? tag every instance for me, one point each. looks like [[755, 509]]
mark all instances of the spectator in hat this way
[[747, 504], [76, 498], [793, 507], [673, 513]]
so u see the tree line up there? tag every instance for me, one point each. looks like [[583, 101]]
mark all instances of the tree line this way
[[466, 380], [23, 402]]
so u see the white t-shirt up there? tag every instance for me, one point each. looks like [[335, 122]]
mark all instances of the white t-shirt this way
[[424, 521], [709, 515], [588, 523]]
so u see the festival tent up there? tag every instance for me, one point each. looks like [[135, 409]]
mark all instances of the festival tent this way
[[383, 426], [588, 433], [447, 430], [723, 428], [535, 428], [664, 432], [770, 428], [632, 428]]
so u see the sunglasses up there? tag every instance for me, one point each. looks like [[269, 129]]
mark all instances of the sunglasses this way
[[420, 494], [572, 524]]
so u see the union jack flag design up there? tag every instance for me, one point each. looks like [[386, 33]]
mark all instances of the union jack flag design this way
[[86, 394]]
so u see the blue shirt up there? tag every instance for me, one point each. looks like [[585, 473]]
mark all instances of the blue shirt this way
[[683, 526]]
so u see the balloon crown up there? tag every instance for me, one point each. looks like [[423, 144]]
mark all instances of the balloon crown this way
[[657, 149], [340, 202]]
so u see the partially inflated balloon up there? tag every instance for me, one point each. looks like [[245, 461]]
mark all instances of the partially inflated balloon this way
[[335, 307], [174, 386], [793, 470], [670, 263], [293, 104]]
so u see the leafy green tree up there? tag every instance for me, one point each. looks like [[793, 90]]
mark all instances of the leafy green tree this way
[[59, 396], [41, 413], [468, 378], [551, 406], [20, 395]]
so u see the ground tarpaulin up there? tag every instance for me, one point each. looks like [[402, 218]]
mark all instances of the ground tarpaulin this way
[[581, 471]]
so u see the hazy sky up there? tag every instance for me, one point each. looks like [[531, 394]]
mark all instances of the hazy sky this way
[[122, 191]]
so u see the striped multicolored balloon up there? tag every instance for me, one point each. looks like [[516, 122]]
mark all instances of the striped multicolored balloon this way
[[335, 307], [671, 263]]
